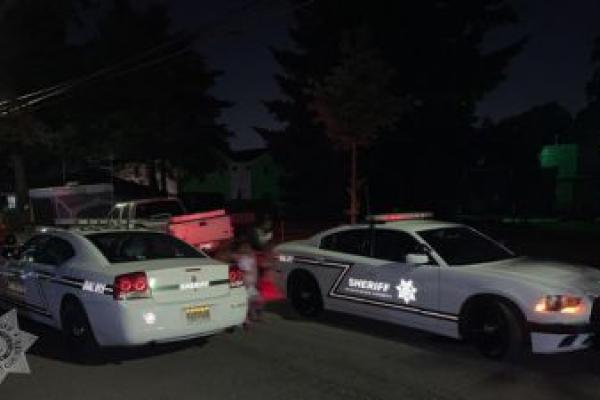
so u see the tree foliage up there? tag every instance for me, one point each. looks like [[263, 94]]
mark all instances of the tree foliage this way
[[508, 158], [354, 102], [153, 105], [162, 111], [35, 54], [587, 121], [436, 48]]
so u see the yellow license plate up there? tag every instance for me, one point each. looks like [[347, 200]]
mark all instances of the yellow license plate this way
[[197, 313]]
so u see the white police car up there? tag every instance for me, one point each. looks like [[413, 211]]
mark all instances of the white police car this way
[[444, 278], [122, 287]]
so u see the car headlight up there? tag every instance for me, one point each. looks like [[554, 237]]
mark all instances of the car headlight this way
[[564, 304]]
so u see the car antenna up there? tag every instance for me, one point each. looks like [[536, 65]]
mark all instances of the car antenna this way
[[367, 199], [371, 220]]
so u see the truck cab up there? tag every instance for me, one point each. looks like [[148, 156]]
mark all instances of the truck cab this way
[[205, 230]]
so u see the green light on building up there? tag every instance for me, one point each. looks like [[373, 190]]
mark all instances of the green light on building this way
[[564, 158]]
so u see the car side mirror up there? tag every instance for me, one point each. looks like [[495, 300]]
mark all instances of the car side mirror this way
[[417, 259]]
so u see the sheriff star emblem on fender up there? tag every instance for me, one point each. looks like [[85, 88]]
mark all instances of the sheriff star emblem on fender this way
[[13, 345], [406, 291]]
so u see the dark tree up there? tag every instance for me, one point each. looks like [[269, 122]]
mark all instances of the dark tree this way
[[436, 49], [35, 54], [511, 153], [354, 103], [587, 122], [158, 109]]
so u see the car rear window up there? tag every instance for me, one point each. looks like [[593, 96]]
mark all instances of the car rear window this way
[[138, 246], [159, 209]]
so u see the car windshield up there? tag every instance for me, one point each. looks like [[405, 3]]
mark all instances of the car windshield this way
[[463, 246], [129, 246]]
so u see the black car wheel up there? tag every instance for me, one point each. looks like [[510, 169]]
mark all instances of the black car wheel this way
[[497, 331], [78, 333], [305, 295]]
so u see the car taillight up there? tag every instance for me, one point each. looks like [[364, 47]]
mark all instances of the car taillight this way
[[236, 276], [131, 286]]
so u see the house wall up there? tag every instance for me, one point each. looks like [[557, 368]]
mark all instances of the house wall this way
[[257, 179], [241, 181], [265, 179], [564, 158], [213, 182]]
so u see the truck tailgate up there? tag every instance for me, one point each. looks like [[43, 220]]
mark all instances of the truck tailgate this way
[[201, 228]]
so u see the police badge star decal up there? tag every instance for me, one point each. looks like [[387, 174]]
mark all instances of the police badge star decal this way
[[13, 345], [407, 291]]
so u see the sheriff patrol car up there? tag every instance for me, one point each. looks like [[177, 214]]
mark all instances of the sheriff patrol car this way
[[122, 287], [444, 278]]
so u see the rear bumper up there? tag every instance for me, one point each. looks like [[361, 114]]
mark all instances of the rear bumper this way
[[139, 322], [559, 338]]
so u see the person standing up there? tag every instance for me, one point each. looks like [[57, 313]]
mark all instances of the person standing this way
[[262, 234], [246, 262], [261, 239]]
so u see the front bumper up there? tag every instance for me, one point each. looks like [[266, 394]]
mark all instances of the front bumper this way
[[559, 338]]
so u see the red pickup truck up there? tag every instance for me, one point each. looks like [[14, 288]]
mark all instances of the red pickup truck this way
[[206, 230]]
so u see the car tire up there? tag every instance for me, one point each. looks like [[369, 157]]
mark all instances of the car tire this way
[[497, 331], [305, 295], [78, 333]]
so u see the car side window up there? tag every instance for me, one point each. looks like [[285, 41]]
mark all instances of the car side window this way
[[55, 251], [394, 245], [114, 214], [125, 212], [353, 241], [30, 250]]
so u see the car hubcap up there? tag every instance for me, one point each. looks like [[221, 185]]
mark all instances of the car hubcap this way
[[492, 335], [78, 331], [305, 297]]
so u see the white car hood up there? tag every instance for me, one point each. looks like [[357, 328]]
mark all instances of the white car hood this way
[[548, 273]]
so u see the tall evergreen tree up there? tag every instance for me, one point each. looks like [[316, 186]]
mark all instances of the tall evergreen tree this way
[[436, 48], [354, 104], [161, 111], [587, 122]]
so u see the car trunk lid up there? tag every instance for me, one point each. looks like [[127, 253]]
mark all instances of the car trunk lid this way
[[181, 280]]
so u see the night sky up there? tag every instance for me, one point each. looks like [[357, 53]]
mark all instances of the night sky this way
[[244, 58], [554, 65]]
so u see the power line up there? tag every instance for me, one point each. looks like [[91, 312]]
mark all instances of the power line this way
[[105, 71], [187, 37], [122, 67]]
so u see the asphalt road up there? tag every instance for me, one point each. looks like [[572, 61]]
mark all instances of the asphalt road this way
[[334, 357]]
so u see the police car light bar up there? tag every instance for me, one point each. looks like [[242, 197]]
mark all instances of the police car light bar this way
[[399, 217]]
